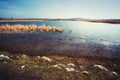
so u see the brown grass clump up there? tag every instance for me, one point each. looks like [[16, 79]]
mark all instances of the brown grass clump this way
[[50, 28], [18, 28]]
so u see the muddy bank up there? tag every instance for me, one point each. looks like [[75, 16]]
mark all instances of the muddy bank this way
[[35, 44]]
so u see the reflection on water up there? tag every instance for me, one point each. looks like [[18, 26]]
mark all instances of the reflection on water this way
[[81, 30], [77, 39]]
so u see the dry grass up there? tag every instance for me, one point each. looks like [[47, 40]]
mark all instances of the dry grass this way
[[18, 28], [36, 68]]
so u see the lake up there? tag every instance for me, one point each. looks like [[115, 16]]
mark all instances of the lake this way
[[82, 35]]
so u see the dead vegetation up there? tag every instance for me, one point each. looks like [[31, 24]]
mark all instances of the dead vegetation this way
[[18, 28], [24, 67]]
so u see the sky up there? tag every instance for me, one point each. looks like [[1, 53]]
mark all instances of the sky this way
[[92, 9]]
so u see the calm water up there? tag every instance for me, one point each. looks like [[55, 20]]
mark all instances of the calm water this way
[[102, 32]]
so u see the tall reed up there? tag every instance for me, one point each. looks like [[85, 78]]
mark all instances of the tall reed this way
[[18, 28]]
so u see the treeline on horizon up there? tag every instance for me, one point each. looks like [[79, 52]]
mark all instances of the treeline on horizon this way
[[12, 19], [5, 18]]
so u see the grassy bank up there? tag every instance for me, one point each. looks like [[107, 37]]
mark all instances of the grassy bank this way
[[24, 67]]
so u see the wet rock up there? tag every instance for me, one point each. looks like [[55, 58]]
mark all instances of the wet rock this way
[[101, 67]]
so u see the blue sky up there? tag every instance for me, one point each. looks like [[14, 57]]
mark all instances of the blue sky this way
[[93, 9]]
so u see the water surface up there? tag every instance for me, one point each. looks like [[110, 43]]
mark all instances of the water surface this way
[[86, 38]]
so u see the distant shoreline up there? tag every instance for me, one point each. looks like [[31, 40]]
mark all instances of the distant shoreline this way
[[111, 21], [105, 21]]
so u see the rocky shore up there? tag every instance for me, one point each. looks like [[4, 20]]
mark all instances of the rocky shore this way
[[54, 67]]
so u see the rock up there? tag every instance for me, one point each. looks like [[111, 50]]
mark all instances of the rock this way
[[71, 64], [85, 72], [23, 55], [46, 58], [3, 57], [38, 57], [115, 73], [6, 57], [81, 66], [101, 67], [23, 66], [5, 62], [56, 66], [69, 69], [60, 66], [77, 71], [17, 57]]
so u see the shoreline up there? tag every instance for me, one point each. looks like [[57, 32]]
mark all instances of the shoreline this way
[[48, 45], [111, 21]]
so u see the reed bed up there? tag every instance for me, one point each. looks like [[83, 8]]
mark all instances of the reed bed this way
[[18, 28]]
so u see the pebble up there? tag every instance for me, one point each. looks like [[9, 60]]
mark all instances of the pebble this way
[[38, 57], [56, 66], [17, 57], [23, 55], [71, 64], [46, 58], [85, 72], [23, 66], [62, 65], [3, 57], [69, 69], [101, 67], [81, 67], [115, 73]]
